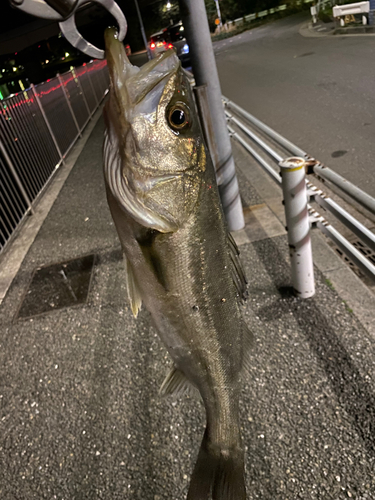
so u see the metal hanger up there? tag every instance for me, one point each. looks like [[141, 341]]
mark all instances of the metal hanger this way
[[63, 11]]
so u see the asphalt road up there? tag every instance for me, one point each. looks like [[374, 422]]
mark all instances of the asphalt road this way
[[318, 92]]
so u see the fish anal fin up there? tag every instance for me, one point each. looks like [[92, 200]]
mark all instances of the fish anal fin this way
[[176, 384], [134, 295]]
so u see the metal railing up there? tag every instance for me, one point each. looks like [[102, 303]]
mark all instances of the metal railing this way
[[260, 139], [38, 128], [259, 15]]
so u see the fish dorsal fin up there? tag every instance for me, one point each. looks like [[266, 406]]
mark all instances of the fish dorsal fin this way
[[120, 187], [238, 273], [176, 383], [134, 295]]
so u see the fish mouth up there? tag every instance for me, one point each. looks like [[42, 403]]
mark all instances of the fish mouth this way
[[136, 82]]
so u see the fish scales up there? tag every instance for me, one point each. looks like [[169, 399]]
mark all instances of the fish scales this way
[[164, 200]]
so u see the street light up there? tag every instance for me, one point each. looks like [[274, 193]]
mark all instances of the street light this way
[[169, 5]]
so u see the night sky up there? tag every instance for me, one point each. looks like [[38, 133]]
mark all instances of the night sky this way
[[12, 18]]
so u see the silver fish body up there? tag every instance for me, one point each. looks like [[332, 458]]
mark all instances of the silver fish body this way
[[181, 262]]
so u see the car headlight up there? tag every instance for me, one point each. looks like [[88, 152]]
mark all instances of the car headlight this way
[[185, 49]]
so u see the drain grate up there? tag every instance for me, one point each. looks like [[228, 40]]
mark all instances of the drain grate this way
[[57, 286], [366, 251]]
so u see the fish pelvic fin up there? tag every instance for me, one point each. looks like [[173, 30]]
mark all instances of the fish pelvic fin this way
[[176, 384], [218, 473], [134, 294]]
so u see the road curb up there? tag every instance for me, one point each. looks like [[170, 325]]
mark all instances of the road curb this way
[[308, 31]]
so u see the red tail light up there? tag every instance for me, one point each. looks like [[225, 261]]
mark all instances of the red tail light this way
[[152, 45], [164, 42], [170, 46]]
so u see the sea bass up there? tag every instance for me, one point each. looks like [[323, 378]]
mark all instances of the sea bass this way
[[181, 262]]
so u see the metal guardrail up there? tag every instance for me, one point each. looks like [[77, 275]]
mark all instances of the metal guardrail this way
[[259, 15], [257, 138], [38, 128], [364, 199]]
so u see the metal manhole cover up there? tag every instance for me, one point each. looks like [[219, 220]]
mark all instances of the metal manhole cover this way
[[60, 285]]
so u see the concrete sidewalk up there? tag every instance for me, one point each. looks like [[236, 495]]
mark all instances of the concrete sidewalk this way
[[80, 414]]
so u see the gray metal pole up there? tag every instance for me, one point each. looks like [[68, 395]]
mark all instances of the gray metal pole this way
[[82, 93], [16, 178], [92, 88], [143, 31], [201, 97], [194, 18], [69, 105], [218, 12], [47, 123]]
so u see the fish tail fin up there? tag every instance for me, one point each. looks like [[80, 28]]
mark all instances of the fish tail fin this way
[[218, 472]]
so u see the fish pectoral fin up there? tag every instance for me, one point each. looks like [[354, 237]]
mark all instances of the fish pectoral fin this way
[[248, 343], [238, 274], [134, 295], [177, 384]]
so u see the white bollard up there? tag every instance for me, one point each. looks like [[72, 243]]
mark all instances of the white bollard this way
[[314, 14], [298, 225]]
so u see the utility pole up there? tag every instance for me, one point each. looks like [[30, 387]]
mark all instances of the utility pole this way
[[218, 12], [143, 30], [194, 18]]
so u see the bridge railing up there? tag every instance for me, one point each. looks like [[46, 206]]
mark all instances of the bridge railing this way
[[38, 128]]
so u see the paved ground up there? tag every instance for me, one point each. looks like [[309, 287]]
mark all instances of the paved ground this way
[[317, 91], [79, 413]]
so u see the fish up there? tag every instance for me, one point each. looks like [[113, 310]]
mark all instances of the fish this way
[[181, 262]]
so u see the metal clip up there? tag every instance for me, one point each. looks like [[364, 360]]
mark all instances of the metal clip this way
[[37, 8], [63, 11], [71, 33]]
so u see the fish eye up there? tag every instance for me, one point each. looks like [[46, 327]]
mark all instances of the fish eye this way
[[178, 117]]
